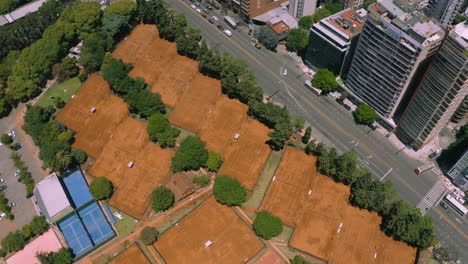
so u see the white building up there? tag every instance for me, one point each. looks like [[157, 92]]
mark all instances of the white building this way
[[51, 200], [300, 8]]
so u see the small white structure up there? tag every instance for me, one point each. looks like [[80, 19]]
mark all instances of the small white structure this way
[[93, 110], [237, 136], [310, 192], [208, 243], [130, 164]]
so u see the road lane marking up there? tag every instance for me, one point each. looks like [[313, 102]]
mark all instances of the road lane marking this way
[[449, 221], [388, 172]]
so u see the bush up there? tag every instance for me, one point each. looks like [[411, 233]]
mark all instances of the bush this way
[[163, 199], [298, 260], [6, 139], [307, 134], [267, 226], [190, 156], [149, 235], [101, 188], [38, 225], [229, 191], [214, 161], [79, 155], [202, 180]]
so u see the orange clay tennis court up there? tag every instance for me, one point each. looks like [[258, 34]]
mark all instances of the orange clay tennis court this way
[[270, 257], [245, 157], [137, 44], [196, 103], [287, 193], [94, 128], [151, 165], [133, 255], [223, 123], [212, 233]]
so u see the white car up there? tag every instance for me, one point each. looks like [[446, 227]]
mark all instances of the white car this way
[[198, 10], [12, 134], [193, 7], [227, 32], [2, 215], [17, 172], [2, 180], [215, 18]]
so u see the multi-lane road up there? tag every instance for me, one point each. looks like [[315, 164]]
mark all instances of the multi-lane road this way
[[333, 124]]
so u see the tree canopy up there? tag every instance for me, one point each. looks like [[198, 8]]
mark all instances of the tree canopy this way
[[306, 22], [160, 130], [190, 156], [307, 134], [163, 199], [267, 225], [149, 235], [325, 80], [365, 114], [298, 260], [321, 14], [267, 37], [214, 161], [229, 191], [63, 256], [297, 40], [101, 188]]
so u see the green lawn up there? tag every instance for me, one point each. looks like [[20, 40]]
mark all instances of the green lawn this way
[[285, 236], [63, 90], [124, 226], [264, 181]]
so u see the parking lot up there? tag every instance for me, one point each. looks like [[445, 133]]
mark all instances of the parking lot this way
[[16, 191]]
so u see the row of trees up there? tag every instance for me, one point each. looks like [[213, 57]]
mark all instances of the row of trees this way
[[24, 175], [140, 99], [160, 130], [53, 139], [236, 78], [400, 219], [15, 241]]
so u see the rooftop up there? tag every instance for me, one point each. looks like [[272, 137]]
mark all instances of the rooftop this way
[[47, 242], [276, 15], [50, 197], [460, 32], [348, 21], [280, 27]]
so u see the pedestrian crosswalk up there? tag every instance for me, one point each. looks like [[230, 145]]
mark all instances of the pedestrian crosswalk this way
[[435, 169], [432, 197]]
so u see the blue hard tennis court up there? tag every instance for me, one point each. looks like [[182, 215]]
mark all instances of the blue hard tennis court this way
[[76, 235], [96, 223], [77, 188]]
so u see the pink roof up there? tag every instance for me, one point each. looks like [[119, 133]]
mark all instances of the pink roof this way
[[47, 242]]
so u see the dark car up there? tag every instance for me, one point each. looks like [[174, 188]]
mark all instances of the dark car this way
[[445, 206], [347, 107], [2, 188], [210, 20], [16, 146], [220, 27]]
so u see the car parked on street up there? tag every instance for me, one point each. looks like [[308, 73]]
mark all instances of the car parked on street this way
[[2, 188], [193, 7], [210, 20], [2, 180], [434, 154], [220, 27], [227, 33], [198, 10], [11, 204], [16, 146], [215, 18], [2, 215], [17, 172]]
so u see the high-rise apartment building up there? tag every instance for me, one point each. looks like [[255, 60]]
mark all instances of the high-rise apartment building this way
[[300, 8], [459, 172], [441, 92], [461, 112], [443, 11], [253, 8], [395, 45], [333, 40], [355, 4]]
